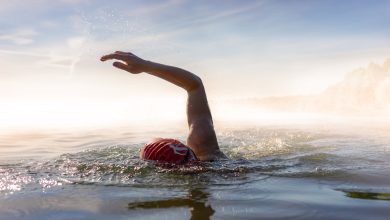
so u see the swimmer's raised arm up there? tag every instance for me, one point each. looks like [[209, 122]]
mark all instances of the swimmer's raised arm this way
[[201, 139], [135, 65]]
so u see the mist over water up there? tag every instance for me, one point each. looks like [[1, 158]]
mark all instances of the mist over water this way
[[364, 92]]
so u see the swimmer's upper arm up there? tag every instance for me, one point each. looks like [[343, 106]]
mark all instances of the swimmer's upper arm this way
[[202, 138]]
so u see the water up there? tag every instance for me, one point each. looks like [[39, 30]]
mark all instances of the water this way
[[274, 172]]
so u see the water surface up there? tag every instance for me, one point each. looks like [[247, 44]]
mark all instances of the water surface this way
[[274, 172]]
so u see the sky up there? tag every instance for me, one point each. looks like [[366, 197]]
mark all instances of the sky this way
[[50, 50]]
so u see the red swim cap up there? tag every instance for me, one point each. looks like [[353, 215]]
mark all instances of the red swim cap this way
[[168, 151]]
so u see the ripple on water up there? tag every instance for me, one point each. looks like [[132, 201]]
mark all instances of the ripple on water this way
[[255, 154], [120, 166]]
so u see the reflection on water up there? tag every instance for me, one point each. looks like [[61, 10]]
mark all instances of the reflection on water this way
[[367, 195], [196, 201]]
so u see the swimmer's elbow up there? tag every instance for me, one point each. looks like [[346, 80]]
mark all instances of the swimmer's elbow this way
[[196, 83]]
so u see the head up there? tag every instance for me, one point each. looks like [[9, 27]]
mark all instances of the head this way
[[167, 151]]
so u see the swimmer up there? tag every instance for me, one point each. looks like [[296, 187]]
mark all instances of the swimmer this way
[[202, 142]]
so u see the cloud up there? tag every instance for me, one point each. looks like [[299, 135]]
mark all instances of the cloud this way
[[225, 14], [9, 6], [76, 42], [22, 53], [49, 24], [73, 1], [64, 56], [154, 8], [209, 16], [364, 91], [20, 36]]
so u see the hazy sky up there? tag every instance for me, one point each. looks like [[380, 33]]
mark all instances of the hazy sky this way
[[49, 51]]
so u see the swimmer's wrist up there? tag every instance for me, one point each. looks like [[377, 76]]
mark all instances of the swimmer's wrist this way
[[148, 66], [153, 68]]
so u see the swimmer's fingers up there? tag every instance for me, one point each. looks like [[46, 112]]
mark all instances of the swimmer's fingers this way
[[131, 63], [127, 67], [121, 66], [116, 56], [124, 53]]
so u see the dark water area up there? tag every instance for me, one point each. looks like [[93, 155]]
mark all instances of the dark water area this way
[[273, 172]]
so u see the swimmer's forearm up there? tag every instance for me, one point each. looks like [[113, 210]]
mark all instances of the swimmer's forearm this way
[[175, 75]]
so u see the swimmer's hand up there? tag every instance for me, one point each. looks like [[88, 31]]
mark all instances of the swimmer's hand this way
[[127, 61]]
